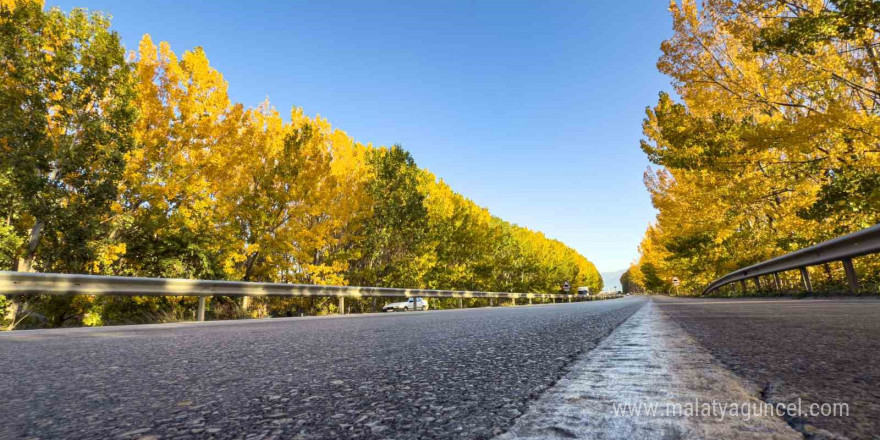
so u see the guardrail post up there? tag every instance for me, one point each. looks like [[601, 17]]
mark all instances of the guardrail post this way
[[530, 300], [776, 281], [805, 279], [460, 303], [491, 302], [851, 277], [201, 313], [569, 299], [341, 305], [742, 283], [757, 282]]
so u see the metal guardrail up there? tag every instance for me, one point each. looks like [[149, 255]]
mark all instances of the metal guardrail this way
[[843, 249], [21, 283]]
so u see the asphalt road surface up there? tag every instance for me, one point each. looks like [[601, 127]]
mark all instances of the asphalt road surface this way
[[821, 351], [553, 371], [444, 374]]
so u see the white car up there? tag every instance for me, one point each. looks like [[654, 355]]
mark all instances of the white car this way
[[405, 306]]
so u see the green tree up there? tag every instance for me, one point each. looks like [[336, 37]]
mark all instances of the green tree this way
[[65, 126], [629, 283], [394, 246]]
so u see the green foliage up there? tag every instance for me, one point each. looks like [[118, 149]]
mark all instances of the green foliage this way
[[628, 283], [808, 30], [850, 192], [10, 243], [65, 122], [395, 233], [653, 281]]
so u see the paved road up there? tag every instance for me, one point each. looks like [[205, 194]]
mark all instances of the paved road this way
[[450, 374], [454, 374], [821, 351]]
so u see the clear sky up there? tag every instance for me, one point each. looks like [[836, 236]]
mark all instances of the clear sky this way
[[531, 109]]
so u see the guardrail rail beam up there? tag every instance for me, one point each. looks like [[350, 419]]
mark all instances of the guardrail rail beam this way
[[27, 283], [843, 249]]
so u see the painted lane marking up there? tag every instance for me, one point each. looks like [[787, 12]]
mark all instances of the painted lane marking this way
[[648, 360]]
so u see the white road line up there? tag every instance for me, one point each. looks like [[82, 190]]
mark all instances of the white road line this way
[[647, 360]]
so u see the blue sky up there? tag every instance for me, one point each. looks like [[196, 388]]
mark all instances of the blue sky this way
[[531, 109]]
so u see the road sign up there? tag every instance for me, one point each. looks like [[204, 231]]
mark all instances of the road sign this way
[[675, 281], [566, 287]]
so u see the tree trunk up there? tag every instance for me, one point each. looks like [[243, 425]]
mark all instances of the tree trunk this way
[[25, 264], [249, 265], [11, 312]]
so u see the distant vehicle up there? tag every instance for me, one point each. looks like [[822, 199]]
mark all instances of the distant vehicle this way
[[584, 291], [411, 304]]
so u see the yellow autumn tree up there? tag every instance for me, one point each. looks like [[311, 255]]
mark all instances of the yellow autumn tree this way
[[183, 149], [291, 200], [774, 145]]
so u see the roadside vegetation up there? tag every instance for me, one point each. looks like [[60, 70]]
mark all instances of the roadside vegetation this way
[[138, 164], [772, 143]]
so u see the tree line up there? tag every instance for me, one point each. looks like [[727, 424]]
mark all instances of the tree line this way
[[772, 143], [138, 164]]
